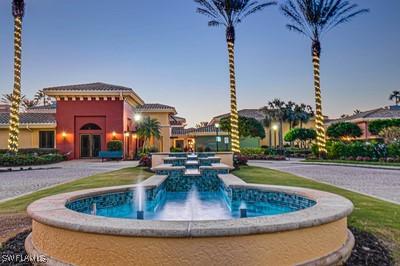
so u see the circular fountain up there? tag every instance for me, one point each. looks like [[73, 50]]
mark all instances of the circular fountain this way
[[192, 212]]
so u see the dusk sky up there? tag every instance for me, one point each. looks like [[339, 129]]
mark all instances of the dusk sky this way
[[166, 52]]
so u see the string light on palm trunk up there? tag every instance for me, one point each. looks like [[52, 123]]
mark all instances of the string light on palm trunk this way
[[234, 113], [16, 97], [319, 118]]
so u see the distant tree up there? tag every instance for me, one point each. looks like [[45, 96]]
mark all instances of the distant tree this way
[[303, 135], [26, 103], [277, 111], [376, 126], [315, 18], [357, 111], [390, 134], [248, 127], [201, 124], [148, 128], [344, 130], [41, 96], [395, 96], [229, 13]]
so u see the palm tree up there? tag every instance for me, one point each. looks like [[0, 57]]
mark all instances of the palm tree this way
[[26, 103], [314, 18], [7, 98], [148, 128], [303, 113], [276, 110], [395, 96], [41, 96], [18, 9], [229, 13]]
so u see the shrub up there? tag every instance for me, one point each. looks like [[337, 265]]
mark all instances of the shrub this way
[[344, 130], [7, 160], [393, 149], [378, 125], [153, 149], [114, 145], [173, 149], [252, 151], [239, 160], [33, 151], [145, 161], [301, 134]]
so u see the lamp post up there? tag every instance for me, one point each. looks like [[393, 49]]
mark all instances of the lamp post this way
[[275, 128], [127, 134], [137, 118], [217, 125]]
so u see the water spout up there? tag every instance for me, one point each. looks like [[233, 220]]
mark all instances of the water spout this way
[[243, 210], [140, 201], [94, 209]]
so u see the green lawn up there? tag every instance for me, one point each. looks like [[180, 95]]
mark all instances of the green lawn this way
[[376, 216], [116, 178], [370, 214], [352, 162]]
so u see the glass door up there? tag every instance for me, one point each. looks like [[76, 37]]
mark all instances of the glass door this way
[[90, 145], [85, 146]]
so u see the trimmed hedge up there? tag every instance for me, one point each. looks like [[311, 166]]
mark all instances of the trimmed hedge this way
[[33, 151], [378, 125], [114, 145], [7, 160]]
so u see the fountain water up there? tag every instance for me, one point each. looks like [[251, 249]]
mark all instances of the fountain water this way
[[140, 202]]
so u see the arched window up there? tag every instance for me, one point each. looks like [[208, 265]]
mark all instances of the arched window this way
[[90, 126]]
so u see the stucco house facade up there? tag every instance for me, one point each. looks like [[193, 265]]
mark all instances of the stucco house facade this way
[[85, 117]]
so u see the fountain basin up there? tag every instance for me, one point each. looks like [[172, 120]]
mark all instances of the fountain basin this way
[[316, 235]]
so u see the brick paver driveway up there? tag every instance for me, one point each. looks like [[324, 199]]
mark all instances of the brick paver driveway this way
[[16, 183], [381, 183]]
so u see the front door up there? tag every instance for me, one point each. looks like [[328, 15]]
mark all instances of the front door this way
[[90, 145]]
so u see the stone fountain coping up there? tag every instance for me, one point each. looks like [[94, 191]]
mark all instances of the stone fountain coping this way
[[52, 211]]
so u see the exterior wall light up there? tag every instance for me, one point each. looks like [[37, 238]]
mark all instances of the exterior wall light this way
[[64, 135], [137, 117], [114, 134], [275, 127], [127, 134]]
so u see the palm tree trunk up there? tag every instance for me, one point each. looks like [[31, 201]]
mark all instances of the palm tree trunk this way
[[230, 37], [16, 96], [319, 118]]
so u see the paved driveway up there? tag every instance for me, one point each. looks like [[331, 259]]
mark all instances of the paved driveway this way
[[16, 183], [381, 183]]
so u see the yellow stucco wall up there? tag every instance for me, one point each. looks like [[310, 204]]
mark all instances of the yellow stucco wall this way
[[281, 248], [286, 128], [164, 143], [28, 138]]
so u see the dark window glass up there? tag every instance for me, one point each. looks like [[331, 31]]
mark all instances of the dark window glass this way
[[90, 126], [46, 139]]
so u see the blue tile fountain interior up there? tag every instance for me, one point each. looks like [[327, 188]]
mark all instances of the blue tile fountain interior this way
[[192, 191]]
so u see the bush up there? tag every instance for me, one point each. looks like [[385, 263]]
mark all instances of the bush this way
[[252, 151], [393, 149], [33, 151], [114, 145], [378, 125], [173, 149], [239, 160], [7, 160], [301, 134], [344, 130], [145, 161], [153, 149]]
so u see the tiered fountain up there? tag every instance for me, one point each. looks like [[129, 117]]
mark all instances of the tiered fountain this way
[[192, 211]]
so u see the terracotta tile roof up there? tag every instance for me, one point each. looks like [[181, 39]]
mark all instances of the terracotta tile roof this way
[[30, 118], [380, 113], [152, 107], [97, 86], [176, 120], [180, 131], [249, 113]]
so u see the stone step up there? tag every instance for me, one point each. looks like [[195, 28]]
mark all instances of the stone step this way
[[192, 172], [192, 162]]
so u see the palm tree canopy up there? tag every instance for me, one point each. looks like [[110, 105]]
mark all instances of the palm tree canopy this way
[[149, 127], [18, 8], [229, 13], [394, 95], [313, 18]]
